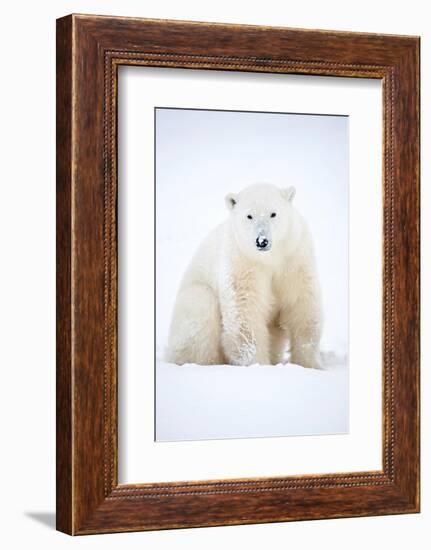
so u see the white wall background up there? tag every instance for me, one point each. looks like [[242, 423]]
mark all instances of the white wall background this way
[[27, 115]]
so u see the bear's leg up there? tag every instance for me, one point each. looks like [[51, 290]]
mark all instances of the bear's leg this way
[[195, 328], [245, 304], [304, 344], [279, 338], [303, 322], [306, 354], [247, 344], [245, 335]]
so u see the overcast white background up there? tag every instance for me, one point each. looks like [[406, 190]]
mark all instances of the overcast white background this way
[[27, 290], [201, 155]]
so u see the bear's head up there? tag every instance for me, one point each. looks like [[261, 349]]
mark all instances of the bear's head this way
[[261, 217]]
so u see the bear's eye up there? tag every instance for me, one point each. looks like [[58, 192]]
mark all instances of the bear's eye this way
[[273, 215], [250, 217]]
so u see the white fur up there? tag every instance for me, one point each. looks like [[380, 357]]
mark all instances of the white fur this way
[[239, 305]]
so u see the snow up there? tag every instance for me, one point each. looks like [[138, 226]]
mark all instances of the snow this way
[[220, 402]]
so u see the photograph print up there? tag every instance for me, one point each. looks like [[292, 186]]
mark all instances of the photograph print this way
[[251, 293]]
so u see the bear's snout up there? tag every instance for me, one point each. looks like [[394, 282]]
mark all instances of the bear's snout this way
[[262, 243]]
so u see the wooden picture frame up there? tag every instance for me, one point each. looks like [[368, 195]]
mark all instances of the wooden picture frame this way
[[89, 51]]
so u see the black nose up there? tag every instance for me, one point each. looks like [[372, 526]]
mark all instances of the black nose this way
[[261, 242]]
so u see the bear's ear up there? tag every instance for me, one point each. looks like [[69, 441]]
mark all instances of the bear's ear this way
[[289, 193], [230, 200]]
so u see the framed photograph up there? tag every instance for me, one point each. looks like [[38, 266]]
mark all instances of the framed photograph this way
[[237, 274]]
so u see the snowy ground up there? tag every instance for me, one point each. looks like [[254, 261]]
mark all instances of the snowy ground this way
[[215, 402]]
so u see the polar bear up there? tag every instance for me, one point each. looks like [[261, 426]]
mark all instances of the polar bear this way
[[251, 288]]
